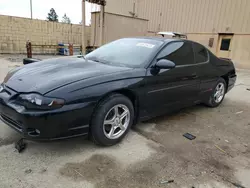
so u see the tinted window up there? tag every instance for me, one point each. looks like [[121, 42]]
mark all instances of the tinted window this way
[[201, 54], [181, 53], [126, 52]]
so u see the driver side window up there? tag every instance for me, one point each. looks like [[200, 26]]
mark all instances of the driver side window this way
[[181, 53]]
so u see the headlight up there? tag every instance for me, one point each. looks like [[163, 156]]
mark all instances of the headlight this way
[[36, 101], [10, 74]]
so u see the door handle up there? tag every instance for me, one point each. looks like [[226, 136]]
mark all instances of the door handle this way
[[194, 76]]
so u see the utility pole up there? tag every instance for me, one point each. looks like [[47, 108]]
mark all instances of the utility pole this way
[[83, 28], [101, 25], [31, 14]]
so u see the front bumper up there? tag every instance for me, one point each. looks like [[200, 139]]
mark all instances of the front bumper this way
[[68, 121]]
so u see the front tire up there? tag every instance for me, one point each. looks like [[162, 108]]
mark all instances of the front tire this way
[[112, 120], [218, 94]]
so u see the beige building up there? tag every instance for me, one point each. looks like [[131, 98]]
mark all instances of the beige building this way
[[221, 25], [116, 27]]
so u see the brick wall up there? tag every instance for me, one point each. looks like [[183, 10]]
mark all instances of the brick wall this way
[[15, 31]]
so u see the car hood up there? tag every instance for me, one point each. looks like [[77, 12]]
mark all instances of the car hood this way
[[51, 74]]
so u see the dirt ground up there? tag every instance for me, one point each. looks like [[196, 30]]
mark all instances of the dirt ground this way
[[154, 152]]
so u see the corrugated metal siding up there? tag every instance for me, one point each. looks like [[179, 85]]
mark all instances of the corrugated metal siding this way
[[122, 7], [240, 51], [119, 26], [116, 27], [191, 16], [95, 29]]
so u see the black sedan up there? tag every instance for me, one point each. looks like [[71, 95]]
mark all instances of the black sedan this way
[[113, 87]]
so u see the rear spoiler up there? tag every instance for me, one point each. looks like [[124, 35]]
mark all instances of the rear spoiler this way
[[173, 34]]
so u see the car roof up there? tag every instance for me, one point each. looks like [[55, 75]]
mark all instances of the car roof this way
[[165, 40]]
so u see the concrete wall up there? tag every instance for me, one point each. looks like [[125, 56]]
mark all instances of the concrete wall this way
[[15, 31], [116, 27]]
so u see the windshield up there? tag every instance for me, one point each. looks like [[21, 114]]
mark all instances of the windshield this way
[[125, 52]]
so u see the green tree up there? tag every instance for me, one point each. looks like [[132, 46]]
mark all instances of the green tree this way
[[66, 19], [52, 16]]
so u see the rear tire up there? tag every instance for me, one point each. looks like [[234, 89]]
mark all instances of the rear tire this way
[[112, 120], [218, 94]]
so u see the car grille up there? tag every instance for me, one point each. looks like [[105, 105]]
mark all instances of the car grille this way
[[12, 122]]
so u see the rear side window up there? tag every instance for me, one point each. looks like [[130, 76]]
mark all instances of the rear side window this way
[[201, 54], [181, 53]]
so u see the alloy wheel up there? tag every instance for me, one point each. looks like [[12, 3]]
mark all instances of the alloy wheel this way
[[116, 121], [219, 92]]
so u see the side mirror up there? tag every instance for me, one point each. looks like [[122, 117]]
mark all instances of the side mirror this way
[[30, 60], [165, 64]]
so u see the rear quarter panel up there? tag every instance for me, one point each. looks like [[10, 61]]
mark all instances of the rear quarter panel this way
[[210, 73]]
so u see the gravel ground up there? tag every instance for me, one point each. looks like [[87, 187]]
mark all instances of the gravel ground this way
[[153, 152]]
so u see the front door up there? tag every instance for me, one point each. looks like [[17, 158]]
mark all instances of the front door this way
[[167, 90], [224, 46]]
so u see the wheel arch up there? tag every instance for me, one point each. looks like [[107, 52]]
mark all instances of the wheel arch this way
[[226, 78], [127, 93]]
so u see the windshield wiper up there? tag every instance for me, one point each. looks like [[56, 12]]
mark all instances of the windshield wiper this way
[[81, 56], [106, 62], [96, 60]]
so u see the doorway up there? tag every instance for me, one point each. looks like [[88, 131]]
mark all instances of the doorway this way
[[224, 45]]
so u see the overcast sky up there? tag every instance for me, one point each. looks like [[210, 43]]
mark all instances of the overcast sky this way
[[72, 8]]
